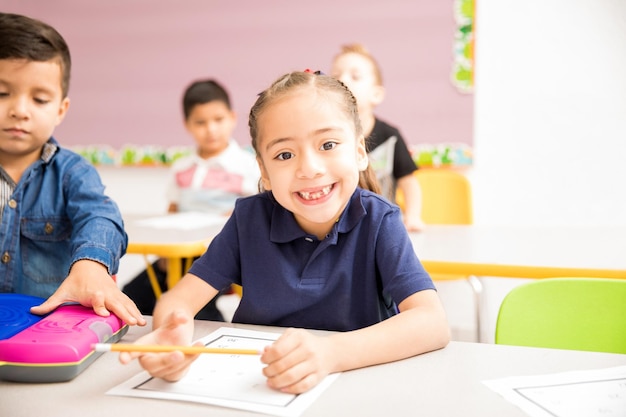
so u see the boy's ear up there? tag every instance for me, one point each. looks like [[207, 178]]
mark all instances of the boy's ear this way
[[378, 94], [63, 107], [361, 154]]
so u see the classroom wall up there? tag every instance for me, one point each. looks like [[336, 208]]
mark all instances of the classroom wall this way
[[133, 59], [550, 112]]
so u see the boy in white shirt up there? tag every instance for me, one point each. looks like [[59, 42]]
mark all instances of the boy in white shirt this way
[[220, 171], [210, 181]]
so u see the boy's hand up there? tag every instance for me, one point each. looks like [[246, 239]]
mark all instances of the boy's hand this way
[[297, 361], [170, 366], [90, 285]]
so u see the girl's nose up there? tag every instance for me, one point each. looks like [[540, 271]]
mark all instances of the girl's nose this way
[[310, 165]]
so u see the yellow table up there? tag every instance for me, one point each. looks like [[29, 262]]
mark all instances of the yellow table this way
[[177, 238], [174, 253], [518, 271]]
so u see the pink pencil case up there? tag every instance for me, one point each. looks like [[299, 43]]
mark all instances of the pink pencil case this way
[[53, 348]]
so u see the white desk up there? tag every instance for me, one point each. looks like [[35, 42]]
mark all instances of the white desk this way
[[520, 252], [446, 383], [523, 252], [499, 251]]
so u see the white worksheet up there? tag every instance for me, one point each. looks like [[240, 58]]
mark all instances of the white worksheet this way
[[591, 393], [227, 380]]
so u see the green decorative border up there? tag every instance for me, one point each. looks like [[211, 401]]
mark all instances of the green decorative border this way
[[132, 155], [442, 155], [463, 66], [427, 156]]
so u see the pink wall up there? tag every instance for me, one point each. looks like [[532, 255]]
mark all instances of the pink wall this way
[[132, 60]]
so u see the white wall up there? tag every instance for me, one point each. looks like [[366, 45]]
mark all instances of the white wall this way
[[550, 121], [550, 112]]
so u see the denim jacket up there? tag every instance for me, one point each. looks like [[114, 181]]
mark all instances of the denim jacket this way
[[58, 214]]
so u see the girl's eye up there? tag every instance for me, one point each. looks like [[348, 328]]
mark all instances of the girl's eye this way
[[328, 146], [41, 101], [283, 156]]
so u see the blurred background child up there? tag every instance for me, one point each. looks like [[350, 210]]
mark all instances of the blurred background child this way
[[357, 68], [208, 181]]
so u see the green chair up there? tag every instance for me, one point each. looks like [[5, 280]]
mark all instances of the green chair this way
[[565, 313]]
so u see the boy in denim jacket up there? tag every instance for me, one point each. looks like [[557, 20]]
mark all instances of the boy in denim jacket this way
[[61, 237]]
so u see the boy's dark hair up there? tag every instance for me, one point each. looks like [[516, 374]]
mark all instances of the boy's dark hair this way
[[22, 37], [202, 92]]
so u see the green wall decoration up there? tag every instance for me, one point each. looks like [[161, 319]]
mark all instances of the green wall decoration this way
[[463, 66]]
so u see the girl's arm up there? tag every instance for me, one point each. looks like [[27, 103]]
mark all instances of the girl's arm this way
[[412, 202], [173, 325], [298, 360], [188, 297], [420, 327]]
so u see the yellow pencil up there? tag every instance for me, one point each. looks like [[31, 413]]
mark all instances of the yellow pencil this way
[[192, 350]]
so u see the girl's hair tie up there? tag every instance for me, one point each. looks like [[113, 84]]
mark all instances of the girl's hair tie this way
[[314, 72]]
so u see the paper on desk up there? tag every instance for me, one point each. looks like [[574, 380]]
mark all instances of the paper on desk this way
[[593, 393], [183, 221], [234, 381]]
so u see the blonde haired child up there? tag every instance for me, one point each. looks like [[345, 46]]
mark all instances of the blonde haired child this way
[[355, 66], [314, 251]]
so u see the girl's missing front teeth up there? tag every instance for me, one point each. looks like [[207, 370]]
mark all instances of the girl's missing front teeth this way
[[307, 195]]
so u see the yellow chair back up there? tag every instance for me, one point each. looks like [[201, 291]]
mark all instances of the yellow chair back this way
[[446, 197]]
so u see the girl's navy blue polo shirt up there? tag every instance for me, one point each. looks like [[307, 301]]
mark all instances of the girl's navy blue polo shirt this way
[[353, 278]]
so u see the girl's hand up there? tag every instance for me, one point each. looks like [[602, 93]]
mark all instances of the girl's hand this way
[[170, 366], [297, 361]]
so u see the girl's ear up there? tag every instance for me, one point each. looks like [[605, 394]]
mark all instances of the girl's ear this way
[[265, 179], [361, 154], [378, 94]]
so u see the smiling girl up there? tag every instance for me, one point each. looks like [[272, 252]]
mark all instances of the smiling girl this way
[[314, 250]]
